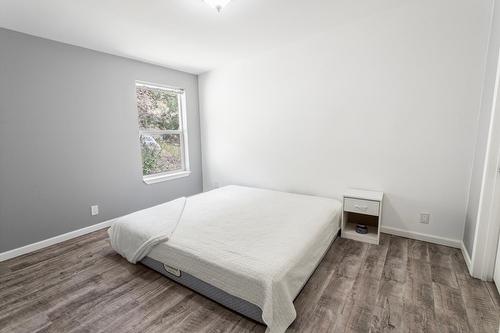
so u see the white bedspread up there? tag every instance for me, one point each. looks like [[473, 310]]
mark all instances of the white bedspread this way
[[259, 245], [134, 235]]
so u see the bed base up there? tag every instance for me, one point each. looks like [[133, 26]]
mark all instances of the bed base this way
[[234, 303]]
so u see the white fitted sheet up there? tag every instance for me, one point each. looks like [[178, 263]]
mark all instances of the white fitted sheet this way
[[258, 245]]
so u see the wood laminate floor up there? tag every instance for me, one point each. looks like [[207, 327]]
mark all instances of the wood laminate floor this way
[[402, 285]]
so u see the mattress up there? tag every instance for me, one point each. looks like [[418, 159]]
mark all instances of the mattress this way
[[256, 246]]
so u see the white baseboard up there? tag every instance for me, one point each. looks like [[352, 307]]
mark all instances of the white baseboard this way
[[80, 232], [423, 237], [54, 240], [465, 253]]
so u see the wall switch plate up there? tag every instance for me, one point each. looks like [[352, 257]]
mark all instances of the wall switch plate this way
[[425, 218], [94, 210]]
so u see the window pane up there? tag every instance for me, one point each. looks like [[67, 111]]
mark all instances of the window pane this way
[[158, 109], [161, 153]]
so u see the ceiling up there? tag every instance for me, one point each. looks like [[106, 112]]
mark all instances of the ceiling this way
[[184, 34]]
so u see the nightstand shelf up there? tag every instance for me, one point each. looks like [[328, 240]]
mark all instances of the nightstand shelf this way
[[349, 231], [362, 207]]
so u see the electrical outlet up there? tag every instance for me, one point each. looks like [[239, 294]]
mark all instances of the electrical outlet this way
[[425, 218], [94, 210]]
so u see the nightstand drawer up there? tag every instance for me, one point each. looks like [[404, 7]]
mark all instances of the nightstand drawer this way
[[360, 206]]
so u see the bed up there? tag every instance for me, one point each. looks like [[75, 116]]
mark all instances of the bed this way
[[249, 249]]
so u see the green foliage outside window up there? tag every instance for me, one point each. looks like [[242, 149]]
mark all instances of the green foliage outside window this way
[[164, 157], [159, 122], [158, 109]]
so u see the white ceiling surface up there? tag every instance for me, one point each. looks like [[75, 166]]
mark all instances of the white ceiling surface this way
[[184, 34]]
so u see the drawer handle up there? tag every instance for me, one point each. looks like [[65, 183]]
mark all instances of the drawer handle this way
[[362, 208]]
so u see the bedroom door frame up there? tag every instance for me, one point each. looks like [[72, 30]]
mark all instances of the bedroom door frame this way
[[488, 219], [492, 245], [496, 270]]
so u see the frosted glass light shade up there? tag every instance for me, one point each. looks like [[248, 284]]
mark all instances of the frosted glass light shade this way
[[217, 4]]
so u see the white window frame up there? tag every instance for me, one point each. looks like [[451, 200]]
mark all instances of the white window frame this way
[[183, 131]]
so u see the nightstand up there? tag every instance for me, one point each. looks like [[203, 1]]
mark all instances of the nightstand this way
[[362, 207]]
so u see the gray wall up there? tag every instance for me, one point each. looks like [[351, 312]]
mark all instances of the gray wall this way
[[69, 138], [483, 131]]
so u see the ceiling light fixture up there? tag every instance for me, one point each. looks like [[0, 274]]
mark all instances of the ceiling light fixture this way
[[217, 4]]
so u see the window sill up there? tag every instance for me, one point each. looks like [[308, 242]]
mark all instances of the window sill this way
[[161, 178]]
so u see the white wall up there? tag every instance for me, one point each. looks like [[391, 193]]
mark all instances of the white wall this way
[[389, 102]]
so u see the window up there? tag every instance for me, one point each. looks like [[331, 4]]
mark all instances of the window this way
[[162, 132]]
